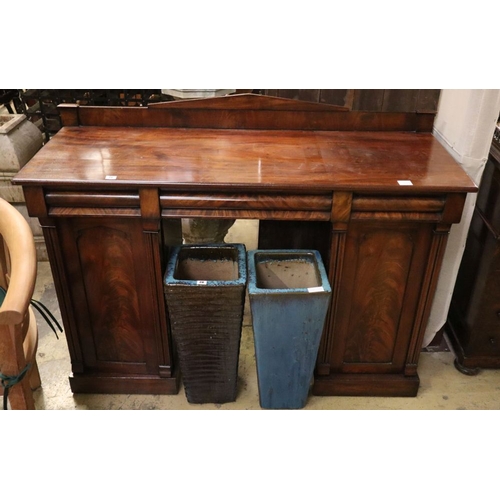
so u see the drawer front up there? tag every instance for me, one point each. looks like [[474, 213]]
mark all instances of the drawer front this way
[[272, 205], [402, 208], [93, 203], [484, 337]]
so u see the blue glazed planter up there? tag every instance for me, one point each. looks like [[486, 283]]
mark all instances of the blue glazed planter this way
[[205, 293], [289, 298]]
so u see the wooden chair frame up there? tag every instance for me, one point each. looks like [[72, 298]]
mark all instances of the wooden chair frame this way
[[18, 328]]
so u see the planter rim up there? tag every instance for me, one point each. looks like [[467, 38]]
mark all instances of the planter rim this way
[[253, 289], [13, 122], [241, 261]]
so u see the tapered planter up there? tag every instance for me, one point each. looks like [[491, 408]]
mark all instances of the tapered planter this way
[[289, 298], [205, 294]]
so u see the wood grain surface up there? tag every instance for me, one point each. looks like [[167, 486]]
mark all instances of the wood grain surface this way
[[185, 159]]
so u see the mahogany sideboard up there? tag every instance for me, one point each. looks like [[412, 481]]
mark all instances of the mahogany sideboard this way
[[376, 194]]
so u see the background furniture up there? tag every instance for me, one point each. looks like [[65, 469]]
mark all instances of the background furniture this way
[[18, 328], [473, 324], [11, 99], [374, 100], [374, 199]]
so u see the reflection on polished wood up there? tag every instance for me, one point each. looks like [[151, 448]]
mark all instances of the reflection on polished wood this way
[[184, 159]]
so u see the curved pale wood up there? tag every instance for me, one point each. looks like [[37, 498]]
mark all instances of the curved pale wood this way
[[18, 239], [18, 328]]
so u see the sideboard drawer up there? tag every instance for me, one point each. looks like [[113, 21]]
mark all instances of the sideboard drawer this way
[[92, 203], [272, 205]]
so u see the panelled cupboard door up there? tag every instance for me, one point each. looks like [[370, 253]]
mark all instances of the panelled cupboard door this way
[[111, 289], [384, 265]]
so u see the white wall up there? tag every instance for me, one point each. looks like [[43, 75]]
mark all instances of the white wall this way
[[464, 124]]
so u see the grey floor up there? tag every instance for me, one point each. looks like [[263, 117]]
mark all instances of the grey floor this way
[[442, 386]]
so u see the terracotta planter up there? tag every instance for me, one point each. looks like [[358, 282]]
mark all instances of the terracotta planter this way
[[289, 297]]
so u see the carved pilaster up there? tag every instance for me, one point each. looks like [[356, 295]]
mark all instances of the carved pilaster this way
[[436, 254], [150, 215], [160, 321], [341, 212], [63, 292]]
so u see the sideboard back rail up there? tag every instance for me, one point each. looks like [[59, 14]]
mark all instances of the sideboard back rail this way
[[245, 111]]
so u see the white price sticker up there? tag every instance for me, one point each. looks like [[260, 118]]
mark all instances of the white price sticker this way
[[316, 289], [405, 183], [201, 282], [110, 177]]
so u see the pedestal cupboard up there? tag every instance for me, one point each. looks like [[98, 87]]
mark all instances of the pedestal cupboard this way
[[376, 195]]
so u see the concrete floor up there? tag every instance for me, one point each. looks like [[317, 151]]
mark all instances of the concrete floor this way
[[442, 386]]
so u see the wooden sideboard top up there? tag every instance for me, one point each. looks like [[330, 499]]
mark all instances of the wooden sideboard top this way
[[180, 158]]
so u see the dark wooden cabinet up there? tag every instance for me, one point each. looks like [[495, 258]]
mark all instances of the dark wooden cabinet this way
[[380, 283], [113, 282], [110, 290], [384, 288], [474, 318], [380, 100], [374, 197]]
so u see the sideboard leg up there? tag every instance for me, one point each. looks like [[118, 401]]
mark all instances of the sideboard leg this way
[[463, 369]]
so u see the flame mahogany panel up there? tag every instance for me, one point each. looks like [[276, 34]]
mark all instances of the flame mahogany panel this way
[[118, 315], [103, 258], [380, 281]]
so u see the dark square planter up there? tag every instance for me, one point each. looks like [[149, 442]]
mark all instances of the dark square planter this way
[[205, 293]]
